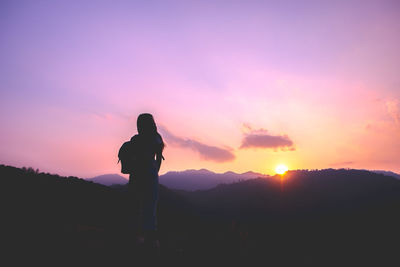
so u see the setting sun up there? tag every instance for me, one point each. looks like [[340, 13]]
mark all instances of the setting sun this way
[[281, 169]]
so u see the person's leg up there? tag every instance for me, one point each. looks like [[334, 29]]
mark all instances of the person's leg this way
[[150, 211], [136, 210]]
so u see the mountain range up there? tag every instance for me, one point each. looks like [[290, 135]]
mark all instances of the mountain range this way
[[201, 179], [185, 180]]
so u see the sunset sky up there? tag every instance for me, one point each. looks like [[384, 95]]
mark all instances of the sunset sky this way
[[232, 85]]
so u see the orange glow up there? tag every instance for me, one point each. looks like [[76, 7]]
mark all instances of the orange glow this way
[[281, 169]]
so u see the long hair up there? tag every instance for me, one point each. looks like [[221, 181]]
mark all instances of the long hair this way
[[147, 127]]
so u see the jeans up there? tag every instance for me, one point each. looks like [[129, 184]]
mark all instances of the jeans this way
[[144, 190]]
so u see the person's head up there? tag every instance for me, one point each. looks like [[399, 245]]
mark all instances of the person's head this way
[[146, 124]]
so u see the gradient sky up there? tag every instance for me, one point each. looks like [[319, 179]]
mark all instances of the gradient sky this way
[[233, 85]]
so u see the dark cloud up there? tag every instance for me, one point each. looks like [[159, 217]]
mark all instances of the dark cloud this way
[[262, 139], [206, 152]]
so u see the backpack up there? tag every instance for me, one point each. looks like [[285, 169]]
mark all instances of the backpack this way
[[127, 157], [131, 156]]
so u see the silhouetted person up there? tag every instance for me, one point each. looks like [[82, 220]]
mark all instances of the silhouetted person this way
[[143, 182]]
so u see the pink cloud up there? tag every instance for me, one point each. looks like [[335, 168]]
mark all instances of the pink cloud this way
[[262, 139], [206, 152]]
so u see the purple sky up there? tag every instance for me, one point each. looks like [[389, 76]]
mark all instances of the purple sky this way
[[309, 84]]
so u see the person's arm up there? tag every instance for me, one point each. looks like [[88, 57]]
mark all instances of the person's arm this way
[[159, 158]]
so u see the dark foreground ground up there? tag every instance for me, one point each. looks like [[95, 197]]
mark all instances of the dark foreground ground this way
[[319, 218]]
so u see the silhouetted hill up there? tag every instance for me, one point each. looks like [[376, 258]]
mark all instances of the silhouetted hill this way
[[323, 217], [322, 191], [203, 179], [49, 217], [108, 179], [311, 218]]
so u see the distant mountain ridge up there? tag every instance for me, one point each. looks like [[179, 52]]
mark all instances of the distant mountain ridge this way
[[203, 179], [108, 179], [191, 179], [387, 173]]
